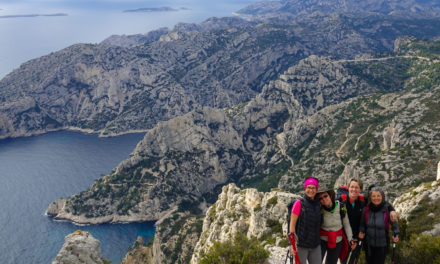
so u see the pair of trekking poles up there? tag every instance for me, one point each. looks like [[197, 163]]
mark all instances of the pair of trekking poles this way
[[295, 256]]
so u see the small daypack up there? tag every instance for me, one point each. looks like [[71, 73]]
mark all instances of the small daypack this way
[[386, 216], [289, 212], [342, 193]]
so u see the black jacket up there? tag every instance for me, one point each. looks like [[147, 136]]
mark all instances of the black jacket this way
[[309, 223]]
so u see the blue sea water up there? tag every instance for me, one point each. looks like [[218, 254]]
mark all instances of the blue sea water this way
[[89, 21], [34, 171]]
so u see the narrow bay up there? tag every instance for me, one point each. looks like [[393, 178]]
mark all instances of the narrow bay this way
[[36, 170]]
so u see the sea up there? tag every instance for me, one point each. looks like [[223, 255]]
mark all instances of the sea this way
[[34, 171], [33, 28]]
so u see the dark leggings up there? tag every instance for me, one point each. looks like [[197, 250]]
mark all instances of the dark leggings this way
[[375, 255], [354, 257], [332, 253]]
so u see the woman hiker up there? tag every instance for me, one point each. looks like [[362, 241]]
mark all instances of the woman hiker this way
[[355, 203], [336, 234], [375, 222], [305, 222]]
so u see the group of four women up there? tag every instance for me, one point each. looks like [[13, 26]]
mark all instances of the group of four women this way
[[330, 228]]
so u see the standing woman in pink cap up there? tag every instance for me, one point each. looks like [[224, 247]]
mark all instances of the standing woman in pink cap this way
[[305, 223]]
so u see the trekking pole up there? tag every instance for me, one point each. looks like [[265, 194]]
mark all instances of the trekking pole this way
[[288, 256], [291, 237], [392, 257], [356, 258], [325, 257], [349, 256]]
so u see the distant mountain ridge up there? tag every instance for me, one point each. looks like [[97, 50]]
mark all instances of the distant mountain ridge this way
[[131, 86], [278, 138], [386, 138], [292, 9], [299, 89]]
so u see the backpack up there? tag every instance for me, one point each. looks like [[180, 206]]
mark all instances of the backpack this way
[[386, 216], [289, 212], [342, 211], [342, 194]]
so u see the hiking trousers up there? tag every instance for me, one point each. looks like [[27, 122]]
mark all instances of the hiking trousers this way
[[332, 253], [354, 255], [313, 255], [375, 255]]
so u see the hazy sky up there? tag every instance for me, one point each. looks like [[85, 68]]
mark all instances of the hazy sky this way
[[24, 37]]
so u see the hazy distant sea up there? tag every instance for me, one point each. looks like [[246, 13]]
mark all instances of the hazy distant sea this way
[[59, 24], [35, 171]]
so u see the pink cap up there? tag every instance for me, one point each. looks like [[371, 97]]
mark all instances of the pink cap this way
[[311, 181]]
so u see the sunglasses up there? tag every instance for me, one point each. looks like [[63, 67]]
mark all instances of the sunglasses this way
[[323, 197]]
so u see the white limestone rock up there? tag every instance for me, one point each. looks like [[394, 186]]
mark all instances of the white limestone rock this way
[[249, 212], [411, 199], [80, 247]]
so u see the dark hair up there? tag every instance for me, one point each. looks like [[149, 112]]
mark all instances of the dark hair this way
[[330, 193]]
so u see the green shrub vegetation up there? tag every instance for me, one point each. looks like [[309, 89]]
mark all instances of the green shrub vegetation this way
[[264, 182], [419, 249], [238, 250], [272, 201]]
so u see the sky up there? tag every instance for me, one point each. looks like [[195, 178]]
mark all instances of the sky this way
[[56, 24]]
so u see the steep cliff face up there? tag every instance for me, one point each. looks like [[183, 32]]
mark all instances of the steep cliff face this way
[[138, 254], [388, 139], [80, 247], [187, 157], [301, 124], [286, 132], [247, 211], [420, 206], [116, 88]]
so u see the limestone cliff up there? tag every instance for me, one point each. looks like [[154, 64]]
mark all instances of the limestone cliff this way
[[420, 206], [80, 247], [131, 84], [386, 138], [138, 254], [256, 214], [186, 158]]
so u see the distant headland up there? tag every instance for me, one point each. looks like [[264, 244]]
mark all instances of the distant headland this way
[[34, 15], [156, 9]]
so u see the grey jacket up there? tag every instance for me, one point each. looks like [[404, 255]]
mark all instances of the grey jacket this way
[[374, 226]]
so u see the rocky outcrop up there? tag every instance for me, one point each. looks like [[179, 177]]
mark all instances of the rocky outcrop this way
[[295, 127], [188, 156], [303, 123], [132, 83], [80, 247], [247, 211], [411, 200], [138, 254], [419, 206], [127, 41], [175, 237], [384, 140]]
